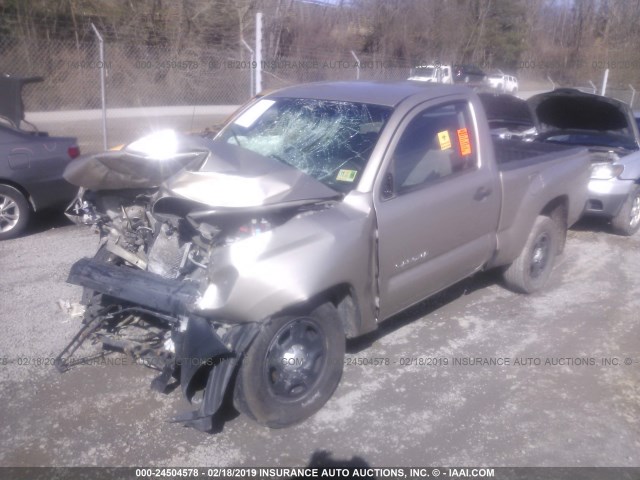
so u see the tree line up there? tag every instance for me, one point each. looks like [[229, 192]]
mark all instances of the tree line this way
[[569, 40]]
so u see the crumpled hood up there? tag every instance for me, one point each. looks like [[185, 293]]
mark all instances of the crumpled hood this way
[[131, 168], [569, 109], [208, 172], [233, 177]]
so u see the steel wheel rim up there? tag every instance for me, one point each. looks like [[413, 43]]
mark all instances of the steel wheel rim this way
[[9, 213], [295, 359], [540, 255], [634, 217]]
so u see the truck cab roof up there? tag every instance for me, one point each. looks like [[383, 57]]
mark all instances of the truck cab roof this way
[[376, 93]]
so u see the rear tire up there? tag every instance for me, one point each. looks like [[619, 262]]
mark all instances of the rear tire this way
[[292, 368], [14, 212], [530, 271], [627, 222]]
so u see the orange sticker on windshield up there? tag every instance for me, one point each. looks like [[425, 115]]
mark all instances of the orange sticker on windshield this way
[[444, 140], [463, 142]]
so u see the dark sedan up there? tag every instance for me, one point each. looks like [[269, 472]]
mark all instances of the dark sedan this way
[[31, 166], [31, 162]]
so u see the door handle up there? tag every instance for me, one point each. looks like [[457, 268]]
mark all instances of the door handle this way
[[482, 193]]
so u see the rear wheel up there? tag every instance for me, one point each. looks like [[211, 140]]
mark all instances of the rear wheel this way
[[14, 212], [531, 270], [292, 368], [627, 222]]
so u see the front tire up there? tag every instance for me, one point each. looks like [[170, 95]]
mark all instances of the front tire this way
[[531, 270], [292, 368], [14, 212], [627, 222]]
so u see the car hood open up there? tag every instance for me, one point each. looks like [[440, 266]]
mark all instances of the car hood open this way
[[569, 109], [11, 103]]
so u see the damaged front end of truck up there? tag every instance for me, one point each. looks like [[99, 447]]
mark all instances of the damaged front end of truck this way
[[204, 246]]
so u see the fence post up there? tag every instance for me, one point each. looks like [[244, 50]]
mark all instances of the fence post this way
[[251, 70], [604, 82], [102, 87], [258, 52], [357, 64], [593, 86], [553, 84], [633, 95]]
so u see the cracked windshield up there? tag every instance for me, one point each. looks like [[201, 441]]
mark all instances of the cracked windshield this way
[[329, 140]]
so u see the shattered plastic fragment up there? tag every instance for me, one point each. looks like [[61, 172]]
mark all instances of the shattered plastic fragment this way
[[74, 310]]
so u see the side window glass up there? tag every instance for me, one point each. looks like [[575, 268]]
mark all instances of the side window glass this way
[[437, 143]]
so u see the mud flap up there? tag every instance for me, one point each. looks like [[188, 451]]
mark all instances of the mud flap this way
[[195, 350], [205, 418]]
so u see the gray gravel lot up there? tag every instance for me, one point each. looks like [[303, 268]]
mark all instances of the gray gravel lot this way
[[516, 415]]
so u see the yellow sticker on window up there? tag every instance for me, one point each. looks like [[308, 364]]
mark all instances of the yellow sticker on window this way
[[443, 138], [346, 175], [464, 142]]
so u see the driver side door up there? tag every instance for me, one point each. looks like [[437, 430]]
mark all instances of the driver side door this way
[[437, 205]]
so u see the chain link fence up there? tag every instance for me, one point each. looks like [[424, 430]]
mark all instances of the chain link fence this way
[[142, 76], [139, 77], [626, 94], [136, 76]]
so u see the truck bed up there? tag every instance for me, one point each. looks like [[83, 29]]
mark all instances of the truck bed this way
[[531, 175], [516, 153]]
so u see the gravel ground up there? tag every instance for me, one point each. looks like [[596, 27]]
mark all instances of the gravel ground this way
[[567, 414]]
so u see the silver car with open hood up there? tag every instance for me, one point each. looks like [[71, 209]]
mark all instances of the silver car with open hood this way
[[608, 128]]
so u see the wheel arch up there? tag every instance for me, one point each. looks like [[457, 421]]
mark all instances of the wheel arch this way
[[512, 240], [558, 211], [21, 189], [343, 297]]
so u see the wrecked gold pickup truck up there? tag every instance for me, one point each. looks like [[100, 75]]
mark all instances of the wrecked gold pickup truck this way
[[241, 264]]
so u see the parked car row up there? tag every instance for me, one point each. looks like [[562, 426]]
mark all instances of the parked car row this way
[[470, 75]]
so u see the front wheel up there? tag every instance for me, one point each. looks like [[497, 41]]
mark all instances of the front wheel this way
[[292, 368], [530, 271], [627, 222], [14, 212]]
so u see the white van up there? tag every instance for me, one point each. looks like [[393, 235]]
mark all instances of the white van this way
[[503, 83]]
